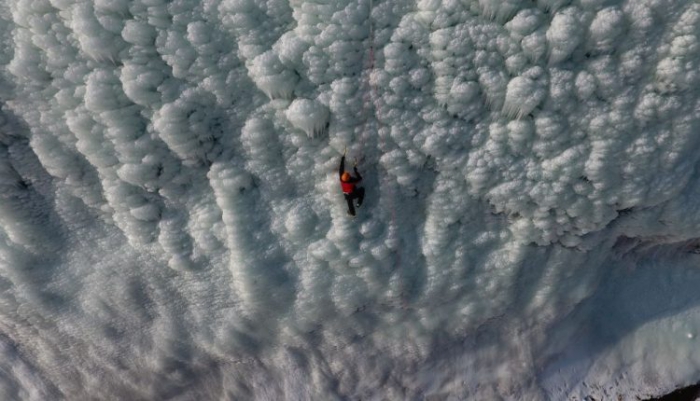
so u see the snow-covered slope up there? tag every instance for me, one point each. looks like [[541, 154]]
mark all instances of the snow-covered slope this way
[[173, 228]]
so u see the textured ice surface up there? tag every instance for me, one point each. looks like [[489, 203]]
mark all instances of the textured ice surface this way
[[173, 228]]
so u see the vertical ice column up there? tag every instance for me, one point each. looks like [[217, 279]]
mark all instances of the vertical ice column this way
[[256, 263]]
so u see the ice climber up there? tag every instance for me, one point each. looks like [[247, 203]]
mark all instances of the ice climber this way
[[349, 187]]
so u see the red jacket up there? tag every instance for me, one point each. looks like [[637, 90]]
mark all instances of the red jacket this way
[[348, 186]]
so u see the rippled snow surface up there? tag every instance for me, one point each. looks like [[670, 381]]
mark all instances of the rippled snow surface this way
[[173, 228]]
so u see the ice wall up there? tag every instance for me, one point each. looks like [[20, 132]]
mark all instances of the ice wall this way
[[173, 228]]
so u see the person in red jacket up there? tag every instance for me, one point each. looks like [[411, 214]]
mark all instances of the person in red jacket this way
[[348, 184]]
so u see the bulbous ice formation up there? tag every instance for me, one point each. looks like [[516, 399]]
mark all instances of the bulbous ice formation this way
[[309, 116]]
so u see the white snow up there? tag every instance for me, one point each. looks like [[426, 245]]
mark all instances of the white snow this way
[[172, 226]]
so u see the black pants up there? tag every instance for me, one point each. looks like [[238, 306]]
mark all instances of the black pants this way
[[359, 194]]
